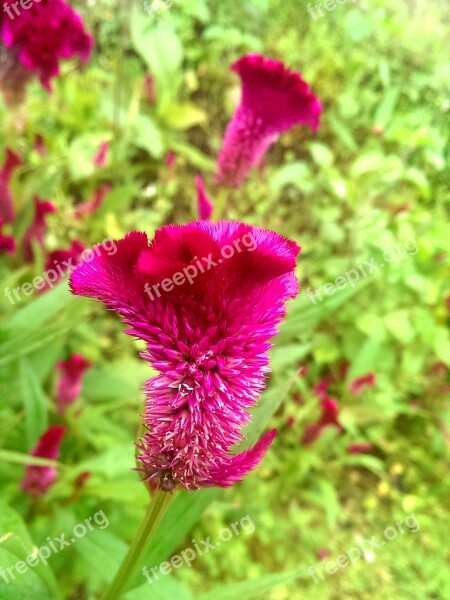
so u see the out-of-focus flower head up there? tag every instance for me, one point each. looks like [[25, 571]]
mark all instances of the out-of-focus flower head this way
[[33, 41], [7, 242], [90, 207], [329, 417], [100, 158], [360, 448], [149, 89], [12, 161], [36, 231], [357, 385], [170, 159], [274, 99], [207, 312], [61, 261], [70, 381], [204, 204], [37, 480]]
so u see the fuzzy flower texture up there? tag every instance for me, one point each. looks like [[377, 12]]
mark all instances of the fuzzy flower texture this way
[[208, 337], [274, 99]]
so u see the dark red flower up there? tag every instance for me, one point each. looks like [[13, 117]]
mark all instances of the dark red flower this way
[[70, 381], [328, 417], [36, 231], [360, 447], [12, 161], [90, 207], [7, 242], [274, 99], [204, 204], [37, 480], [99, 159], [42, 35], [357, 385]]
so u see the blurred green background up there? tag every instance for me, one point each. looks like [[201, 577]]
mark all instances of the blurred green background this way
[[374, 176]]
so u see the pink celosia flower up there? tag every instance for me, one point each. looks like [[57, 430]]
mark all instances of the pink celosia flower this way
[[62, 261], [204, 204], [149, 89], [170, 159], [357, 385], [43, 35], [39, 145], [328, 417], [36, 231], [274, 99], [99, 159], [12, 161], [37, 480], [7, 242], [207, 331], [360, 448], [90, 207], [321, 388], [70, 381]]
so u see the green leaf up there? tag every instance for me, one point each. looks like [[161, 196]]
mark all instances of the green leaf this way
[[148, 136], [183, 116], [16, 544], [399, 325], [166, 588], [255, 588], [35, 404], [160, 48]]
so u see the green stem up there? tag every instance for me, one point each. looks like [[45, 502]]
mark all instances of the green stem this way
[[153, 516]]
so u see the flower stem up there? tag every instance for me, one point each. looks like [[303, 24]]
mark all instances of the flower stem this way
[[155, 512]]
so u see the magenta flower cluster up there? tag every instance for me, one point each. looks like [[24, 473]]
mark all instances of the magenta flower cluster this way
[[42, 35]]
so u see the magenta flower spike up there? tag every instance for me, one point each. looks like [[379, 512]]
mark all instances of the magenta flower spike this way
[[204, 204], [206, 298], [101, 156], [357, 385], [274, 99], [38, 38], [360, 448], [7, 242], [36, 231], [70, 381], [12, 161], [37, 480]]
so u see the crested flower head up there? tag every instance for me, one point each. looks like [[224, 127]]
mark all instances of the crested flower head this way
[[204, 204], [273, 100], [11, 162], [70, 381], [37, 479], [36, 231], [42, 35], [206, 298]]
